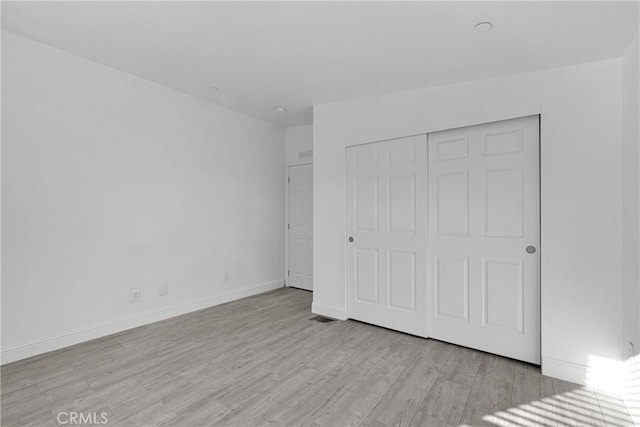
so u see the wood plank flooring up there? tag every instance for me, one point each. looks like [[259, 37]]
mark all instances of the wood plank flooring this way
[[263, 361]]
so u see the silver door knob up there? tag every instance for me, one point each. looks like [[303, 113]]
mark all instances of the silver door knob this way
[[350, 239], [531, 249]]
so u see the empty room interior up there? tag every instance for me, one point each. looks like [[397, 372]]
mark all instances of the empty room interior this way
[[323, 213]]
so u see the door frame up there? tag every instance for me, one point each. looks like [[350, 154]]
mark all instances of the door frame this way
[[426, 133], [286, 215]]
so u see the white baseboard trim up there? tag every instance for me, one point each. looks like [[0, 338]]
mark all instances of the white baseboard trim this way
[[631, 395], [602, 374], [329, 311], [563, 370], [55, 342]]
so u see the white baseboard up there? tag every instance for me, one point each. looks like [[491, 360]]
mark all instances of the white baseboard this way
[[563, 370], [602, 374], [55, 342], [329, 311]]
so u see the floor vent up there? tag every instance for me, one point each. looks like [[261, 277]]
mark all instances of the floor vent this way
[[322, 319]]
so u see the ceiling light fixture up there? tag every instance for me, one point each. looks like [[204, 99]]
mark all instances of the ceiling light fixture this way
[[483, 27], [213, 87], [280, 109]]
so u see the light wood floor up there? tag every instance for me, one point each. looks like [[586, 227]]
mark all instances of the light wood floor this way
[[262, 361]]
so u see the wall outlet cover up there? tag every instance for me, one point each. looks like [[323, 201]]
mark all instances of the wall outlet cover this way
[[163, 290]]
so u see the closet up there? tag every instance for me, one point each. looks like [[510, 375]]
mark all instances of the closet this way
[[443, 236]]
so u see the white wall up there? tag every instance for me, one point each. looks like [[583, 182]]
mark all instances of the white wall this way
[[631, 195], [111, 182], [581, 192], [298, 139]]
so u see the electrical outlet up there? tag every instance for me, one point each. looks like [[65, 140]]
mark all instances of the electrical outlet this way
[[163, 290], [135, 295], [227, 278]]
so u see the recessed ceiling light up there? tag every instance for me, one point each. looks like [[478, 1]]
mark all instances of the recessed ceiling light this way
[[280, 109], [483, 27]]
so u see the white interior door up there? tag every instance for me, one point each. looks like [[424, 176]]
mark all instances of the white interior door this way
[[386, 221], [300, 228], [483, 282]]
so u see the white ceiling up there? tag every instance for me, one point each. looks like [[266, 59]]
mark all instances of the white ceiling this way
[[297, 54]]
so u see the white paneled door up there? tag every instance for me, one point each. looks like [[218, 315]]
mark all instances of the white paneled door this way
[[300, 227], [386, 233], [449, 247], [484, 237]]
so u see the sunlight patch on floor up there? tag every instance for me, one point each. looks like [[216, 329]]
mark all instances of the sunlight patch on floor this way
[[632, 388], [610, 399], [579, 407]]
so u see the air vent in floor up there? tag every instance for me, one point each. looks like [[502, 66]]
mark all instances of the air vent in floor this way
[[322, 319]]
